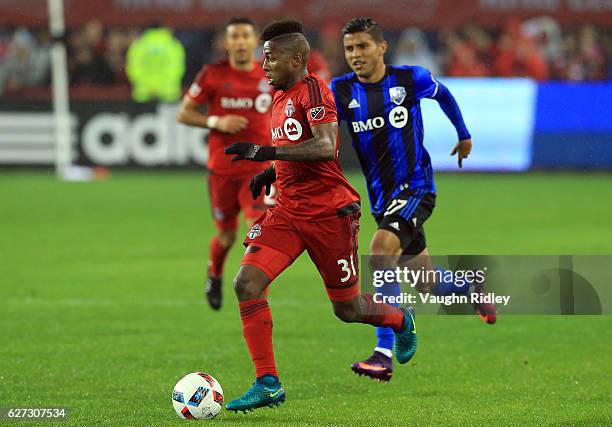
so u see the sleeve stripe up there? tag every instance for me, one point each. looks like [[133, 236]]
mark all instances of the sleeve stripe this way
[[310, 94], [316, 90], [435, 91], [311, 90]]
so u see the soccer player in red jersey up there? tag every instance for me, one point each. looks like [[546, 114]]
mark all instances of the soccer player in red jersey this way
[[317, 211], [238, 97]]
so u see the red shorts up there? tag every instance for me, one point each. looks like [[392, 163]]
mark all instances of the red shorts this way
[[276, 240], [231, 194]]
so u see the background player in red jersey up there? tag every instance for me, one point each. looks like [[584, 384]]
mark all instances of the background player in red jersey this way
[[238, 98], [317, 64], [317, 211]]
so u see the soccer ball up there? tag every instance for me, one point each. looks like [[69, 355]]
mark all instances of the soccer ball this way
[[197, 396]]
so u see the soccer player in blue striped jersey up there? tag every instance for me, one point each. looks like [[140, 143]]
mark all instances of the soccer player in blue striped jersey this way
[[381, 106]]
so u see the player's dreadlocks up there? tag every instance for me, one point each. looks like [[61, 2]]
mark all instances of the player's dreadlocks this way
[[365, 25], [288, 34]]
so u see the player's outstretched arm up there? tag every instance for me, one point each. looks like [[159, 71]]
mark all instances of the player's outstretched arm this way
[[322, 146], [190, 114], [451, 109]]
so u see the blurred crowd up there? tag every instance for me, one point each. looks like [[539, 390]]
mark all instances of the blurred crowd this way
[[538, 48]]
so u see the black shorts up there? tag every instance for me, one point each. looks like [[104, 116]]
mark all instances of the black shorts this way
[[404, 216]]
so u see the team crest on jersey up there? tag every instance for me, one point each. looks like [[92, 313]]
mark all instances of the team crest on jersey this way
[[397, 93], [289, 108], [255, 231], [195, 90], [263, 86], [263, 102], [317, 113]]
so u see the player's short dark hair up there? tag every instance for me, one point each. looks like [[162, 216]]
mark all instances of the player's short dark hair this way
[[280, 28], [239, 20], [364, 25]]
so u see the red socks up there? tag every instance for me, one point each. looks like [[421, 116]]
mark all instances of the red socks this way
[[217, 257], [379, 314], [257, 327]]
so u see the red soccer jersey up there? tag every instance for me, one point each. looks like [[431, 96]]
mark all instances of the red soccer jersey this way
[[308, 190], [230, 91]]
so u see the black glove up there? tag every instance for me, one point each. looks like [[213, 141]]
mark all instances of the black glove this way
[[253, 152], [264, 179]]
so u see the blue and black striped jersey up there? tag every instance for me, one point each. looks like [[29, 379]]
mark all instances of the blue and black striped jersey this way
[[385, 123]]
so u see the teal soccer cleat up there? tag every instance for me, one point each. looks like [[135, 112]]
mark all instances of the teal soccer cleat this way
[[266, 391], [406, 339]]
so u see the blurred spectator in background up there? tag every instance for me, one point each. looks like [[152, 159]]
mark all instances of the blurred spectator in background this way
[[412, 49], [586, 57], [331, 49], [539, 48], [606, 41], [117, 44], [463, 58], [87, 63], [518, 55], [155, 66], [218, 52], [546, 34], [24, 60]]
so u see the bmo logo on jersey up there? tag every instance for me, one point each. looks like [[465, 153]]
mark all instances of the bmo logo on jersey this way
[[261, 103], [229, 103], [291, 128], [398, 117]]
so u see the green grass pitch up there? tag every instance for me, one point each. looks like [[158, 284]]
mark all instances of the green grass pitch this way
[[101, 310]]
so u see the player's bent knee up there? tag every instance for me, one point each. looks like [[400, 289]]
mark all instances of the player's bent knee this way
[[227, 238], [385, 243], [346, 311], [250, 283]]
